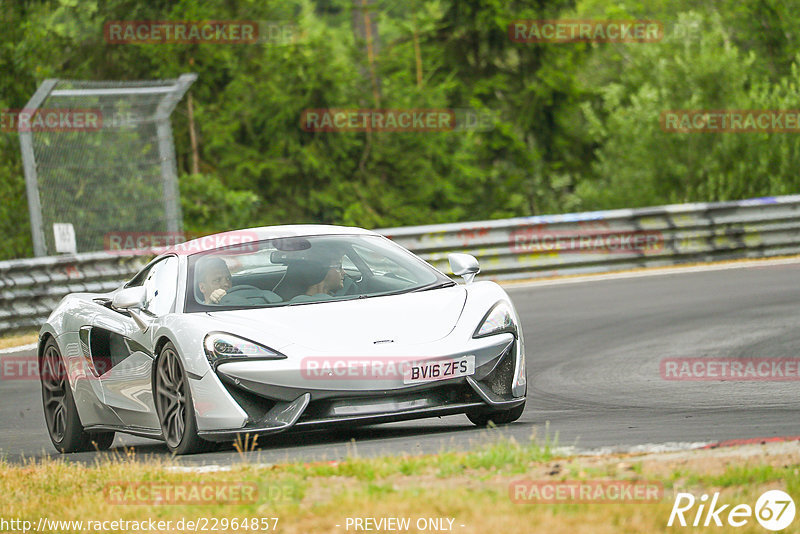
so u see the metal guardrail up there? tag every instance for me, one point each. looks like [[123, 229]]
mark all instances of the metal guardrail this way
[[31, 289], [602, 241], [526, 247]]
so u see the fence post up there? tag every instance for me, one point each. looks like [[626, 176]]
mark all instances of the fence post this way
[[29, 166]]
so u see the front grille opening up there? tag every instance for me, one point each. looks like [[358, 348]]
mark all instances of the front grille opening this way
[[501, 378], [254, 405], [369, 405]]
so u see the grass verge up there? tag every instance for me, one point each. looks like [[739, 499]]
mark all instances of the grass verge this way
[[16, 340], [471, 489]]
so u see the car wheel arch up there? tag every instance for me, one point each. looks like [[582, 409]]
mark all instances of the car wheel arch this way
[[159, 346], [162, 340], [46, 337]]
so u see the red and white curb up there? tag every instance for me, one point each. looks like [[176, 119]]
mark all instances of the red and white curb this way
[[751, 441]]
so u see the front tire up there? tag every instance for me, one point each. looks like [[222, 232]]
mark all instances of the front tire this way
[[60, 413], [173, 400], [500, 417]]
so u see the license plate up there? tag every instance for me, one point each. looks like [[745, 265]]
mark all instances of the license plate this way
[[431, 371]]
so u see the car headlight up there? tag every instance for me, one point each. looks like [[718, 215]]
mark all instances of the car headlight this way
[[222, 347], [498, 320]]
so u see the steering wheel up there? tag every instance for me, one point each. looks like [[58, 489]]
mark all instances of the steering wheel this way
[[355, 279], [350, 285], [232, 291]]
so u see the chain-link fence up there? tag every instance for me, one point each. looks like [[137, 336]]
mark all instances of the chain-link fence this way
[[99, 158]]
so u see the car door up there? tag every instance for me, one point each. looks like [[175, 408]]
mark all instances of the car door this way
[[125, 353]]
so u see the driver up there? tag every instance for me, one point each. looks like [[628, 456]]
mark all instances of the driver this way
[[214, 279], [329, 278]]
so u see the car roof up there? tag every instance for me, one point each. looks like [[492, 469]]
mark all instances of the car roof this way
[[245, 235]]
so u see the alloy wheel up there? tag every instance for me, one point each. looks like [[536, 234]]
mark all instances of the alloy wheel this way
[[170, 397], [54, 380]]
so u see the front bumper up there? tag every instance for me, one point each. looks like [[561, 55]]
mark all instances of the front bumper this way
[[276, 398]]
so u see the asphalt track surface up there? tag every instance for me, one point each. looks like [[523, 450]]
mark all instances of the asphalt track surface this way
[[593, 351]]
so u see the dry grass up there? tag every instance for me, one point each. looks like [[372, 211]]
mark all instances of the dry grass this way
[[471, 488], [15, 340]]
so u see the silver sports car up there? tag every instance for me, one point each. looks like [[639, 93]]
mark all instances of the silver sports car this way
[[264, 330]]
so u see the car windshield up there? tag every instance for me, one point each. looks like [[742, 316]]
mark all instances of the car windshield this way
[[303, 270]]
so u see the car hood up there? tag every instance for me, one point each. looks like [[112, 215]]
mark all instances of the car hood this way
[[405, 319]]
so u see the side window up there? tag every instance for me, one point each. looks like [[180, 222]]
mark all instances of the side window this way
[[161, 285], [138, 280], [348, 265]]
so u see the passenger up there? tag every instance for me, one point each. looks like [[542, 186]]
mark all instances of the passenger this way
[[214, 279], [308, 277], [329, 280]]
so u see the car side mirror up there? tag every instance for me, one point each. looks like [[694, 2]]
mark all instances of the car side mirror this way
[[464, 265], [129, 297]]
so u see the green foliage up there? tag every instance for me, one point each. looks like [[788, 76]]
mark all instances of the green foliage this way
[[577, 124], [210, 205], [640, 163]]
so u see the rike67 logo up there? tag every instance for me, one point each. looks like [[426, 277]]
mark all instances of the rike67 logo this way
[[774, 511]]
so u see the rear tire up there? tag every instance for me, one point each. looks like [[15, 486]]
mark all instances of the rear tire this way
[[101, 441], [500, 417], [173, 400], [60, 413]]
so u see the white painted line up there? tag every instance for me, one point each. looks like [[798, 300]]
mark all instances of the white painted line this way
[[21, 348], [198, 468], [213, 468], [646, 448], [655, 271]]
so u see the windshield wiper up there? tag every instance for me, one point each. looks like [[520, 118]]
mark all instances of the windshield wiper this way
[[437, 285], [350, 297]]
